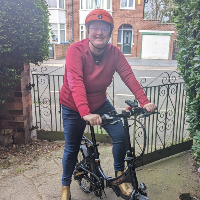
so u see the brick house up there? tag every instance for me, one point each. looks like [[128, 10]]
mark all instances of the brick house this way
[[136, 37]]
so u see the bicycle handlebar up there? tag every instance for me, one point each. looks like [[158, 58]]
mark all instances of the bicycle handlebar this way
[[107, 119]]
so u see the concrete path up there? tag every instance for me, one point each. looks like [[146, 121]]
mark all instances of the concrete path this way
[[41, 179]]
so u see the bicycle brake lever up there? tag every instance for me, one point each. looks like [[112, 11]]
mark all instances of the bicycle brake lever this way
[[144, 115], [114, 122]]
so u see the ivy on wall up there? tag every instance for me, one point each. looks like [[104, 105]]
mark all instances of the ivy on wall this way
[[24, 37], [187, 20]]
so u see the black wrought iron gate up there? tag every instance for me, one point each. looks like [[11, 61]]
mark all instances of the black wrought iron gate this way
[[167, 131]]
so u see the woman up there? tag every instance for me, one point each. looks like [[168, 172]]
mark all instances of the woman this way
[[90, 66]]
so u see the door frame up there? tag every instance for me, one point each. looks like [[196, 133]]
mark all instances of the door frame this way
[[122, 36], [123, 42]]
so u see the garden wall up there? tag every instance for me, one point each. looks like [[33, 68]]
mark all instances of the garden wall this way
[[16, 113]]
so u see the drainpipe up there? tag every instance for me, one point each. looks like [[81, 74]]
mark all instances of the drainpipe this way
[[72, 23]]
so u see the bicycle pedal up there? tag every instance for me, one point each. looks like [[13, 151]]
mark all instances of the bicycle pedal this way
[[78, 175]]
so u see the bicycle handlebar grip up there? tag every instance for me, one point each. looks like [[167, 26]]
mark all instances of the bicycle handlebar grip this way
[[147, 114], [104, 117], [107, 120], [87, 123]]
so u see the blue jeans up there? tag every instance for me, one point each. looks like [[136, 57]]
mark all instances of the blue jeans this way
[[74, 127]]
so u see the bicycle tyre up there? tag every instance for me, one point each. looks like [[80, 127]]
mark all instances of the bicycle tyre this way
[[83, 181]]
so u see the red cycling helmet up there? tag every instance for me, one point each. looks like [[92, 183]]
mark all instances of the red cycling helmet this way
[[99, 15]]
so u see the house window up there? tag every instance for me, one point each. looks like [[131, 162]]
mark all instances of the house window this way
[[127, 4], [52, 3], [90, 4], [93, 4], [119, 39], [62, 32], [54, 33], [56, 3], [62, 4], [108, 4], [57, 33], [120, 33], [83, 34]]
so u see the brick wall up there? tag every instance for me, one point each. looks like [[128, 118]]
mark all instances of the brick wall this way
[[16, 117], [60, 50], [76, 7]]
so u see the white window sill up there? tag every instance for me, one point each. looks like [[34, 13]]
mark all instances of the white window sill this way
[[129, 8], [84, 9]]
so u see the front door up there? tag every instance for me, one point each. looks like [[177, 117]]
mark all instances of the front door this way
[[127, 35]]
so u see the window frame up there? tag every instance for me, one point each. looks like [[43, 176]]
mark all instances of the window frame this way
[[62, 30], [103, 4], [58, 33], [127, 8], [58, 5], [84, 31], [53, 29], [122, 29]]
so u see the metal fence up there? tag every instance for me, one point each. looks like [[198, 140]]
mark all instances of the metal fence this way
[[46, 105], [167, 132], [164, 130]]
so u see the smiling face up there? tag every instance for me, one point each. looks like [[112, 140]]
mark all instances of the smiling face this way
[[99, 34]]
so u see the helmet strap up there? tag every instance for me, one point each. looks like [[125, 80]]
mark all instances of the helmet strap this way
[[99, 49]]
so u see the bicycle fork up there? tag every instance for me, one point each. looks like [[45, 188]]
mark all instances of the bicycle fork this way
[[137, 192]]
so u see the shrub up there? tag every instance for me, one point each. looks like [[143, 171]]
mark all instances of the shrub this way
[[187, 20], [24, 37]]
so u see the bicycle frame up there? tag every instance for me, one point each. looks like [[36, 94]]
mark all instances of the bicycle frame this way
[[90, 164], [129, 175]]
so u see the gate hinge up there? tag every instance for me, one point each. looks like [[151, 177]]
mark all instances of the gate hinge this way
[[29, 87], [33, 128]]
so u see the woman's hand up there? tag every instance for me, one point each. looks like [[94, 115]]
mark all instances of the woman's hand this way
[[150, 107], [94, 119]]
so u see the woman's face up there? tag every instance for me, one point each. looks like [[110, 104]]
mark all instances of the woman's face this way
[[99, 34]]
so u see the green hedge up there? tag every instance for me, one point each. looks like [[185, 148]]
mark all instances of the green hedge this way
[[24, 36], [187, 20]]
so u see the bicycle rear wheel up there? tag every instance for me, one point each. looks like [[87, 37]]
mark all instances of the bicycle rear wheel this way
[[81, 175], [84, 181]]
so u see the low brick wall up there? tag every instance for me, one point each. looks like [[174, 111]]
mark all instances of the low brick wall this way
[[60, 50], [16, 116]]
